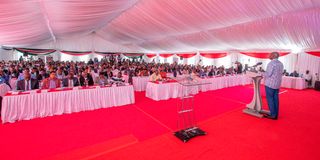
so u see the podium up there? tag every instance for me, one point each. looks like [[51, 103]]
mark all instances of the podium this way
[[186, 123], [254, 108]]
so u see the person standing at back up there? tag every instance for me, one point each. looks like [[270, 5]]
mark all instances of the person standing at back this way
[[273, 78]]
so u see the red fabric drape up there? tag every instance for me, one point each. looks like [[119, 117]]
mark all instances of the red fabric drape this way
[[186, 55], [107, 53], [166, 55], [262, 55], [314, 53], [35, 51], [213, 55], [133, 54], [74, 53], [151, 55]]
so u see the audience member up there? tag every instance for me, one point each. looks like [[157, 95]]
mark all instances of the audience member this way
[[308, 78], [27, 83], [294, 74], [70, 81], [51, 82]]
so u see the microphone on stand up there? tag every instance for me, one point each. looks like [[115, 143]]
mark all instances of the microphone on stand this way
[[253, 68], [258, 64]]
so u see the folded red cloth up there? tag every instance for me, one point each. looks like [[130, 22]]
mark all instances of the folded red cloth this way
[[20, 93]]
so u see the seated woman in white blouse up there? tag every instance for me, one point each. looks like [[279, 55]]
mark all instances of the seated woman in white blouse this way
[[118, 78]]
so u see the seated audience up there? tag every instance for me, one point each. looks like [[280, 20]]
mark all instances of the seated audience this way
[[27, 83], [51, 82], [285, 73], [4, 78], [294, 74], [101, 79], [60, 74], [239, 67], [86, 79], [163, 73], [92, 72], [118, 78], [70, 81], [155, 76]]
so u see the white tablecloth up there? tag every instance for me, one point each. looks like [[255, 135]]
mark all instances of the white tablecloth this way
[[173, 90], [4, 88], [224, 82], [166, 91], [140, 83], [293, 82], [29, 106]]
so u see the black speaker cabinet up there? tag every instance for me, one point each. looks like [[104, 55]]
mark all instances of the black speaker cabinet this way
[[317, 86]]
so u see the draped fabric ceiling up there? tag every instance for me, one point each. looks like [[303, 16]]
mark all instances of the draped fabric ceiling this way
[[161, 26]]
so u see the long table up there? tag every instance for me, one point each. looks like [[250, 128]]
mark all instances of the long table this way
[[293, 82], [140, 83], [224, 82], [34, 104], [163, 91]]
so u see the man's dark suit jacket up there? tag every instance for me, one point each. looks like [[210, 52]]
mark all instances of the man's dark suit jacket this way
[[65, 82], [89, 78], [21, 85]]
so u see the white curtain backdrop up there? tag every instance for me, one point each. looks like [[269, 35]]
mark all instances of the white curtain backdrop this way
[[308, 62], [8, 55], [289, 61]]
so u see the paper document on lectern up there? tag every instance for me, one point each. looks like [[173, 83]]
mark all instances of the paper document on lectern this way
[[253, 74]]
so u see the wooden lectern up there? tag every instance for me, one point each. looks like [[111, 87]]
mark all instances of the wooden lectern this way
[[255, 106]]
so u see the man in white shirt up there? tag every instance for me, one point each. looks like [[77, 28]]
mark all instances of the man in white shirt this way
[[308, 78]]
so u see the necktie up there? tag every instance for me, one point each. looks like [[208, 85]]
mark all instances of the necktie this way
[[27, 85]]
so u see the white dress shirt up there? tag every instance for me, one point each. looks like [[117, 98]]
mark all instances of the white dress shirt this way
[[27, 85]]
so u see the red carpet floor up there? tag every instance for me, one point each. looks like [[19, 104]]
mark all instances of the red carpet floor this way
[[144, 130]]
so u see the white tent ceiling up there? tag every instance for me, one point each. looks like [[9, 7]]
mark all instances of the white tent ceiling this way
[[161, 25]]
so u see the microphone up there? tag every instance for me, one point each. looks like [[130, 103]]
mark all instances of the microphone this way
[[258, 64]]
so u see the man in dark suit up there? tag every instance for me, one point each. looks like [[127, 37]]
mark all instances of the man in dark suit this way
[[294, 74], [27, 83], [70, 81], [86, 79]]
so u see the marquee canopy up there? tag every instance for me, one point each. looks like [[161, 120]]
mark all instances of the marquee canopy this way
[[161, 26]]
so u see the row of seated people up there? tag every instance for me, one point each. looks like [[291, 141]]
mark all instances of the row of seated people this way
[[307, 76], [28, 83], [159, 75]]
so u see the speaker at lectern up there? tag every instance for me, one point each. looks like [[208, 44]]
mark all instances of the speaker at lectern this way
[[255, 106]]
